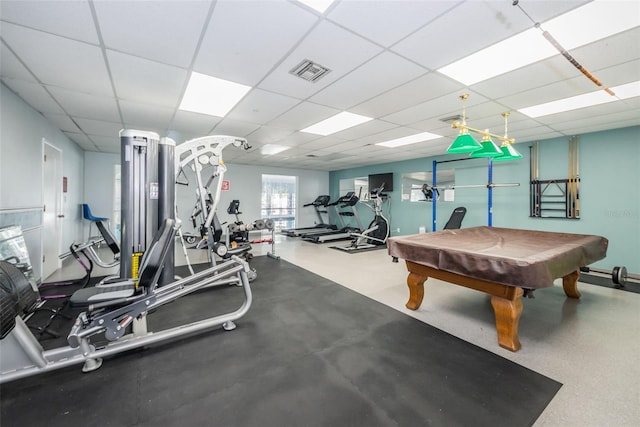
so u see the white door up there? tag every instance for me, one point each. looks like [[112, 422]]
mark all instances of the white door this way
[[52, 208]]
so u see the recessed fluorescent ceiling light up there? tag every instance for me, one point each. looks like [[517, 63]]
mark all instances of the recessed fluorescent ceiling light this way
[[319, 5], [628, 90], [336, 123], [271, 149], [212, 96], [411, 139], [586, 24]]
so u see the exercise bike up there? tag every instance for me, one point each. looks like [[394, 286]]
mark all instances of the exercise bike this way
[[377, 233]]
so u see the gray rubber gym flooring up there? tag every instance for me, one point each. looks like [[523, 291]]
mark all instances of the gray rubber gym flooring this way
[[308, 353]]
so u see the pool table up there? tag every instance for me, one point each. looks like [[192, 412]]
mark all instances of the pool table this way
[[502, 262]]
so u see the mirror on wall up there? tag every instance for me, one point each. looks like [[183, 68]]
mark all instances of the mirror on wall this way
[[359, 185], [414, 182]]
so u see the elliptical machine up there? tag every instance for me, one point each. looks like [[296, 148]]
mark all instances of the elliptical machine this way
[[377, 233]]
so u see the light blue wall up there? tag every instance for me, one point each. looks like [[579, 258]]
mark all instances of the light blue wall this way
[[609, 164], [22, 130]]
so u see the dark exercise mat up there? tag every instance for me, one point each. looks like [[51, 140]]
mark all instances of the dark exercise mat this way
[[308, 353]]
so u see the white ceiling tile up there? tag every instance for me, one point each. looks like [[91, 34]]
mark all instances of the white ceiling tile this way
[[70, 19], [260, 106], [422, 89], [11, 68], [245, 40], [82, 140], [109, 144], [145, 116], [385, 21], [320, 46], [137, 27], [235, 128], [382, 73], [304, 115], [324, 143], [59, 61], [193, 123], [63, 122], [268, 135], [79, 104], [441, 107], [99, 127], [364, 129], [140, 80], [34, 94], [300, 138], [464, 29], [597, 113]]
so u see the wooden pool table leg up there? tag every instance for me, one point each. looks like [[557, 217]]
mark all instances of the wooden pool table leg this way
[[416, 290], [507, 312], [570, 284]]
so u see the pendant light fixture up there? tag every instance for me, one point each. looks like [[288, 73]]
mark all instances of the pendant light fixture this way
[[464, 143], [489, 148], [508, 152]]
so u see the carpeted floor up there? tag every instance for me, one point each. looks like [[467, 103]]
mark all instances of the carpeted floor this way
[[308, 353]]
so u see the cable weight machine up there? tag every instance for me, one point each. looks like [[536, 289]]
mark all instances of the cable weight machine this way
[[196, 155]]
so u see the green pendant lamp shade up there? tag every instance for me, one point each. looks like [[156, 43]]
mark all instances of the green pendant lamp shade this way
[[489, 149], [464, 143], [508, 153]]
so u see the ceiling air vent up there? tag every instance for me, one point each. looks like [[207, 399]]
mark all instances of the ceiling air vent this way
[[451, 119], [309, 71]]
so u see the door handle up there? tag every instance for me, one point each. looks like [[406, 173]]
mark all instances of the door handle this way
[[60, 216]]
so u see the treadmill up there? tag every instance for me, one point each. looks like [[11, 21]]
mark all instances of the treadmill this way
[[320, 202], [349, 200]]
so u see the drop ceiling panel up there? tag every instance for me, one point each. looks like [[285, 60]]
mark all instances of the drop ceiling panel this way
[[320, 46], [245, 40], [34, 94], [380, 74], [110, 144], [617, 49], [597, 114], [464, 29], [422, 89], [59, 61], [146, 117], [87, 106], [260, 106], [193, 123], [550, 71], [70, 19], [324, 143], [140, 80], [99, 127], [234, 128], [385, 22], [63, 122], [137, 27], [300, 138], [11, 68], [365, 129], [443, 106], [268, 135], [81, 140], [304, 115]]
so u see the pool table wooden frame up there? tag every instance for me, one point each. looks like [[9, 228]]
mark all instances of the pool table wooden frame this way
[[505, 299]]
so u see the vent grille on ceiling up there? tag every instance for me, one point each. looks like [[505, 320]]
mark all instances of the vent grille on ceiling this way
[[451, 119], [309, 71]]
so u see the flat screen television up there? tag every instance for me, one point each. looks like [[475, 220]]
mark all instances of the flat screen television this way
[[376, 180]]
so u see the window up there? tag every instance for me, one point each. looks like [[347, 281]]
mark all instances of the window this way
[[279, 200]]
